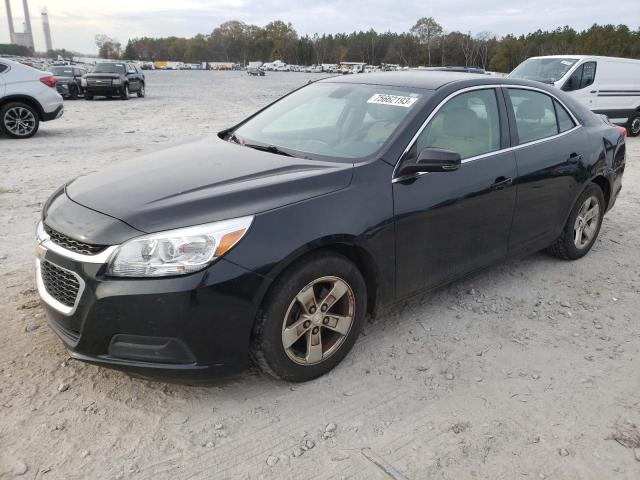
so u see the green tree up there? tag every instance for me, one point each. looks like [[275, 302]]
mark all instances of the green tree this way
[[108, 47], [426, 30]]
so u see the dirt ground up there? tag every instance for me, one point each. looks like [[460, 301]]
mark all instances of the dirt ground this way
[[529, 370]]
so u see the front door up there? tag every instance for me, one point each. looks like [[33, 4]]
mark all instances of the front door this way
[[582, 84], [452, 223]]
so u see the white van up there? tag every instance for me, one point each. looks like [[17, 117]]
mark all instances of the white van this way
[[607, 85]]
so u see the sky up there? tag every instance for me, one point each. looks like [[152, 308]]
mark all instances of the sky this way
[[74, 23]]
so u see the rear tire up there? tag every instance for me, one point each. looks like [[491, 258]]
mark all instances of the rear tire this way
[[633, 126], [18, 120], [302, 332], [582, 227]]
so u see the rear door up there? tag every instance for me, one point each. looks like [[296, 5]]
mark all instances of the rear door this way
[[550, 146], [451, 223]]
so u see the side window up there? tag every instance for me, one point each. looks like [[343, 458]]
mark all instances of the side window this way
[[564, 120], [468, 124], [535, 115], [582, 77], [130, 68], [3, 67], [588, 74]]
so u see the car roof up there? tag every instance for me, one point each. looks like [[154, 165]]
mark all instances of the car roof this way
[[428, 79], [594, 57]]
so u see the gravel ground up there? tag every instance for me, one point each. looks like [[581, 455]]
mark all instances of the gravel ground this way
[[528, 370]]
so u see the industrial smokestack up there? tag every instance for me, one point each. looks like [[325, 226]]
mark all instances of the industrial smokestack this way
[[27, 21], [12, 32], [47, 30]]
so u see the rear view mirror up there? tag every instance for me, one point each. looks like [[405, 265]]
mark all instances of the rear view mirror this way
[[432, 160]]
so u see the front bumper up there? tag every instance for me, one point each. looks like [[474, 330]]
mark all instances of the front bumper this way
[[180, 328], [103, 90]]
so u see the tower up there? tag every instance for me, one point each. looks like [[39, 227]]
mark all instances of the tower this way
[[12, 32], [46, 30], [25, 38]]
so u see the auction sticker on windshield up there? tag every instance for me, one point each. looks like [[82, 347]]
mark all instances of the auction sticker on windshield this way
[[397, 100]]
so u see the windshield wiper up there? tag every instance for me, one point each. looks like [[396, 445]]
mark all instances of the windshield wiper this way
[[268, 148]]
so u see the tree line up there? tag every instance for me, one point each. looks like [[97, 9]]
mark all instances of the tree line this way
[[426, 44]]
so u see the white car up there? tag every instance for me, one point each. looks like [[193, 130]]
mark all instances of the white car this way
[[27, 97], [606, 85]]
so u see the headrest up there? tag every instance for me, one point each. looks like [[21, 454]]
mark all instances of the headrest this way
[[530, 110], [461, 122], [390, 113]]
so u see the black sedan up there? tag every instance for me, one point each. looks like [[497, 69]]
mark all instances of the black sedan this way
[[280, 235]]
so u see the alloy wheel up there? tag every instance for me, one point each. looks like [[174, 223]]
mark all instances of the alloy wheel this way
[[318, 320], [635, 126], [586, 224], [19, 121]]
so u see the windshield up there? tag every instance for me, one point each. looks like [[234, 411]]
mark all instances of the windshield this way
[[331, 119], [547, 70], [109, 68], [61, 71]]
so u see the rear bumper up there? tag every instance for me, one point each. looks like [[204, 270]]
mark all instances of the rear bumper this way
[[57, 113]]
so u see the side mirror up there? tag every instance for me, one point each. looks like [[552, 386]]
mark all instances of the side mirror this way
[[432, 160], [568, 85]]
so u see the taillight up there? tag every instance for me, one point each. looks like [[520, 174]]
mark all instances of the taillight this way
[[49, 81], [623, 132]]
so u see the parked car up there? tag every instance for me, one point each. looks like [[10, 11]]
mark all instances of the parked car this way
[[114, 79], [606, 85], [27, 97], [280, 235], [68, 80], [255, 71]]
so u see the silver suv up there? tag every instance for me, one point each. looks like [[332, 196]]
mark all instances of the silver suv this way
[[27, 97]]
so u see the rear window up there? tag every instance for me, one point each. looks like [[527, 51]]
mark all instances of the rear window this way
[[62, 71]]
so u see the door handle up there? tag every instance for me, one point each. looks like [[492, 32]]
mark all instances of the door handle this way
[[501, 183], [574, 158], [593, 91]]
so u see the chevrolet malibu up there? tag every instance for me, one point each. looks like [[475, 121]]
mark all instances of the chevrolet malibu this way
[[276, 238]]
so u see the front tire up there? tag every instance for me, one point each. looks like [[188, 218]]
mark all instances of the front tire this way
[[18, 120], [311, 318], [88, 96], [73, 94], [124, 95], [633, 126], [582, 227], [141, 91]]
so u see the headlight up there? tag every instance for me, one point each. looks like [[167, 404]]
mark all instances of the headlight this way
[[83, 82], [116, 81], [177, 252]]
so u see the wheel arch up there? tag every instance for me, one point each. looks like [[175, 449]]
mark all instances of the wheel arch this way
[[347, 246], [32, 102], [605, 186]]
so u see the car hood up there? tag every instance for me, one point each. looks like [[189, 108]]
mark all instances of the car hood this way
[[203, 182]]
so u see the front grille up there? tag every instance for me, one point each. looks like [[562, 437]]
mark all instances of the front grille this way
[[99, 83], [73, 245], [59, 283]]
